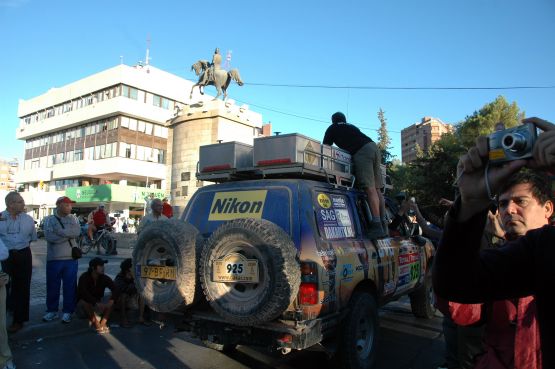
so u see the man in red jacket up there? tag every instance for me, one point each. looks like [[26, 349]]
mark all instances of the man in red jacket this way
[[512, 335], [522, 267]]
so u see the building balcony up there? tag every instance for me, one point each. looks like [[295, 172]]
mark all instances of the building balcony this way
[[112, 168], [103, 109], [34, 175]]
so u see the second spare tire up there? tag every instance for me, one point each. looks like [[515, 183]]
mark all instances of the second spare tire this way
[[165, 260], [242, 244]]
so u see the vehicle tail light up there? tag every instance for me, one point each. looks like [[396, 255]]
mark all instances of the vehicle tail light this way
[[263, 163], [215, 168], [308, 293]]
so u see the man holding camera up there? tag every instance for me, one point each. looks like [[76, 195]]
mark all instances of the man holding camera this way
[[524, 266]]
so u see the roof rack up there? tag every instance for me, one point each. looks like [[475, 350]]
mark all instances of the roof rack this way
[[281, 156]]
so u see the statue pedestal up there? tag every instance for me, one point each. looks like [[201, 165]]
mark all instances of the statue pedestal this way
[[203, 123]]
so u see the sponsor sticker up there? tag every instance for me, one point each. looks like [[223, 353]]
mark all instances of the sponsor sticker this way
[[236, 205], [324, 200], [334, 217], [347, 271]]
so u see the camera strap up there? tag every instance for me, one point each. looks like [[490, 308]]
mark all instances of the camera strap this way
[[62, 224], [488, 188]]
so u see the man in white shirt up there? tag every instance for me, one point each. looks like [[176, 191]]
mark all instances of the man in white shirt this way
[[5, 352], [17, 231]]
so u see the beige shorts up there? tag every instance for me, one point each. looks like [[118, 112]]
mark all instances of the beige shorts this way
[[367, 166]]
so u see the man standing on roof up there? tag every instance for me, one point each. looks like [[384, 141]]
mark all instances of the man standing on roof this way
[[366, 159]]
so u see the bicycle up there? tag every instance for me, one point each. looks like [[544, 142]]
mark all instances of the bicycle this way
[[101, 239]]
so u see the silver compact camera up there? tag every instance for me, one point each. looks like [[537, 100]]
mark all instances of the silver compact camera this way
[[512, 143]]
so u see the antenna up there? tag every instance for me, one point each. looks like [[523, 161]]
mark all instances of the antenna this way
[[228, 60], [147, 59]]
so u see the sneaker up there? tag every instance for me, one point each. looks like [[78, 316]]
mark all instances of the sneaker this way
[[66, 318], [50, 316], [443, 366]]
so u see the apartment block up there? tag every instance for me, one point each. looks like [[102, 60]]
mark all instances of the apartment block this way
[[422, 134]]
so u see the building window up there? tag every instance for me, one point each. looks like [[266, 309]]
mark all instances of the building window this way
[[184, 190], [125, 122], [148, 128], [132, 124], [130, 92], [160, 102], [78, 155], [185, 176]]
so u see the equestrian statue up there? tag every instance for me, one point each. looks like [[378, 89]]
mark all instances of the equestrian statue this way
[[212, 74]]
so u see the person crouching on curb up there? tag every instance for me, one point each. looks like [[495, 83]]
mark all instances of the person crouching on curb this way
[[90, 291], [129, 297]]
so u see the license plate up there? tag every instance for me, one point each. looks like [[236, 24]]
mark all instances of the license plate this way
[[158, 272], [235, 268]]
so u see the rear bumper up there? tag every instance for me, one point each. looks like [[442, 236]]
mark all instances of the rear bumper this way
[[273, 335]]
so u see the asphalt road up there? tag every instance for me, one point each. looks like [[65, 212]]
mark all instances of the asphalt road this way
[[405, 341]]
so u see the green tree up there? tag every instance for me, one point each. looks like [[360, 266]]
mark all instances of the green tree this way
[[482, 122], [384, 141]]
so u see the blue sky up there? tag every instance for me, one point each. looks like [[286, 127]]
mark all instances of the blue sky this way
[[403, 43]]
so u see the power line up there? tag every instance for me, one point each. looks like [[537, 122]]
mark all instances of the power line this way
[[402, 87], [301, 116]]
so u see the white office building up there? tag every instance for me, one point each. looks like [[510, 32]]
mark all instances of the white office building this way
[[100, 139], [104, 138]]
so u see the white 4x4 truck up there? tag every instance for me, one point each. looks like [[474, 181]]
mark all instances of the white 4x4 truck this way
[[276, 254]]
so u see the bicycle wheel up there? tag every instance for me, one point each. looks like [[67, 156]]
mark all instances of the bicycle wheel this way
[[84, 244], [107, 244]]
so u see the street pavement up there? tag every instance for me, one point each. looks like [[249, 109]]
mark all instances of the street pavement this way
[[405, 342]]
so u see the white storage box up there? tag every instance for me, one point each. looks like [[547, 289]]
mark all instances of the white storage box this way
[[225, 156], [287, 150]]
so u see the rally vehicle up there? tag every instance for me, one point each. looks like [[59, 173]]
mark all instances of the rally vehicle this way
[[276, 254]]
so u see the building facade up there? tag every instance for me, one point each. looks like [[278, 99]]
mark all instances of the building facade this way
[[100, 139], [423, 135], [8, 172]]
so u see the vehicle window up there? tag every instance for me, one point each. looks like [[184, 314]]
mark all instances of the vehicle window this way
[[334, 216]]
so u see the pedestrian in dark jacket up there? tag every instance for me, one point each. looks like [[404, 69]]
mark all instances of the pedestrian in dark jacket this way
[[90, 291], [128, 294]]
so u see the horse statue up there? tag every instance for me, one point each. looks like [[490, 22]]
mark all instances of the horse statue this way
[[219, 78]]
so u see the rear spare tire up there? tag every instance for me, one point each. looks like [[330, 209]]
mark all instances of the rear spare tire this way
[[172, 245], [243, 302]]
